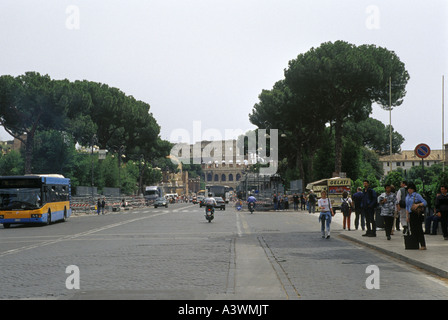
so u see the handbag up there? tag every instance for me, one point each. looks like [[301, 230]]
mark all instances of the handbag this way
[[410, 241], [418, 210]]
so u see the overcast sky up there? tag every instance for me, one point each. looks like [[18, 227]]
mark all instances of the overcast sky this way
[[208, 60]]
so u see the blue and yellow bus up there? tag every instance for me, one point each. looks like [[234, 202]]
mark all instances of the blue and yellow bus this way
[[40, 199]]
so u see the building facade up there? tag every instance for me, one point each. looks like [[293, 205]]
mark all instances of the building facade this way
[[407, 159]]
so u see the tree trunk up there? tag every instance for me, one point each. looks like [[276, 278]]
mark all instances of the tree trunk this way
[[311, 165], [299, 165], [29, 148], [338, 146]]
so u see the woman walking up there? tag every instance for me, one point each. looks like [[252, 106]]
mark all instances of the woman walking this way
[[413, 218], [326, 212], [387, 202]]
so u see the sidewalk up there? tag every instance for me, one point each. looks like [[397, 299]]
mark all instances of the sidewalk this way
[[434, 259]]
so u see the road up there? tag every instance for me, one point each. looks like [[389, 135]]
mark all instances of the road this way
[[174, 253]]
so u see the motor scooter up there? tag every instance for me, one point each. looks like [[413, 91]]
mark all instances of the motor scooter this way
[[251, 207], [209, 213]]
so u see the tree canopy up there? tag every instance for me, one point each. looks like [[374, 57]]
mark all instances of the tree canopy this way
[[324, 90], [51, 116]]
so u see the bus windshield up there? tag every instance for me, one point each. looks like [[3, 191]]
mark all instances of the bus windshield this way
[[20, 198]]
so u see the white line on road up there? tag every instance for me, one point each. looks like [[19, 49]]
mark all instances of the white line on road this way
[[75, 236]]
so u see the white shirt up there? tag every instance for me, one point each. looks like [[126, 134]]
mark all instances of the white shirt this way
[[324, 203]]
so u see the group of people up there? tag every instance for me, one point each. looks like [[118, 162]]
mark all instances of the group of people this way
[[302, 201], [100, 205], [280, 202], [397, 208]]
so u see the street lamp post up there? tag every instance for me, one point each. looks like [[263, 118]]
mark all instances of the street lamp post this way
[[141, 168], [120, 154], [94, 140]]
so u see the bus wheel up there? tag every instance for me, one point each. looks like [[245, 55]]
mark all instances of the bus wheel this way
[[6, 225], [48, 218]]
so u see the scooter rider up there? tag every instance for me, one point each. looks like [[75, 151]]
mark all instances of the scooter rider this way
[[250, 200], [210, 202]]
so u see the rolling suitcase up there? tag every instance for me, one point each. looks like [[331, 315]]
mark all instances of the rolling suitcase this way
[[410, 241]]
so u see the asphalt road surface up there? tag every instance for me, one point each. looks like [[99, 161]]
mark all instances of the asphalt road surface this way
[[174, 253]]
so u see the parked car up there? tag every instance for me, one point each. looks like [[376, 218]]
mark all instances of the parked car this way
[[161, 202], [220, 203]]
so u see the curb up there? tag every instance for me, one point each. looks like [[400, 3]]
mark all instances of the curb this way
[[439, 272]]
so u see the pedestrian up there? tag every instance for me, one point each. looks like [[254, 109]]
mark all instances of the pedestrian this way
[[388, 203], [326, 213], [346, 208], [103, 205], [442, 210], [413, 218], [296, 201], [286, 202], [275, 200], [98, 206], [359, 214], [280, 202], [368, 204], [401, 206], [432, 220], [302, 201], [312, 202]]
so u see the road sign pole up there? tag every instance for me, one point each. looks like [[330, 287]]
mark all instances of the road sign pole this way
[[422, 151], [423, 176]]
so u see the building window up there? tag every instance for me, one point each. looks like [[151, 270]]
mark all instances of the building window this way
[[398, 164], [216, 177], [230, 177], [223, 177]]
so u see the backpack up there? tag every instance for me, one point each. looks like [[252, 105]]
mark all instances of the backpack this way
[[345, 208], [402, 202], [312, 198]]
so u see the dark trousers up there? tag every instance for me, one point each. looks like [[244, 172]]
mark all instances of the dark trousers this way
[[444, 223], [434, 220], [359, 214], [416, 228], [369, 213], [388, 224]]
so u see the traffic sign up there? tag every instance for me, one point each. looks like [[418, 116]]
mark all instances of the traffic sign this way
[[422, 151]]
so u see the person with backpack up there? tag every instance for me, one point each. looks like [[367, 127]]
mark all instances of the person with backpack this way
[[368, 204], [401, 207], [312, 202], [346, 208]]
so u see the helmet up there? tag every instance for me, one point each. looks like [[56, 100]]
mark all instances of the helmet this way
[[210, 194]]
